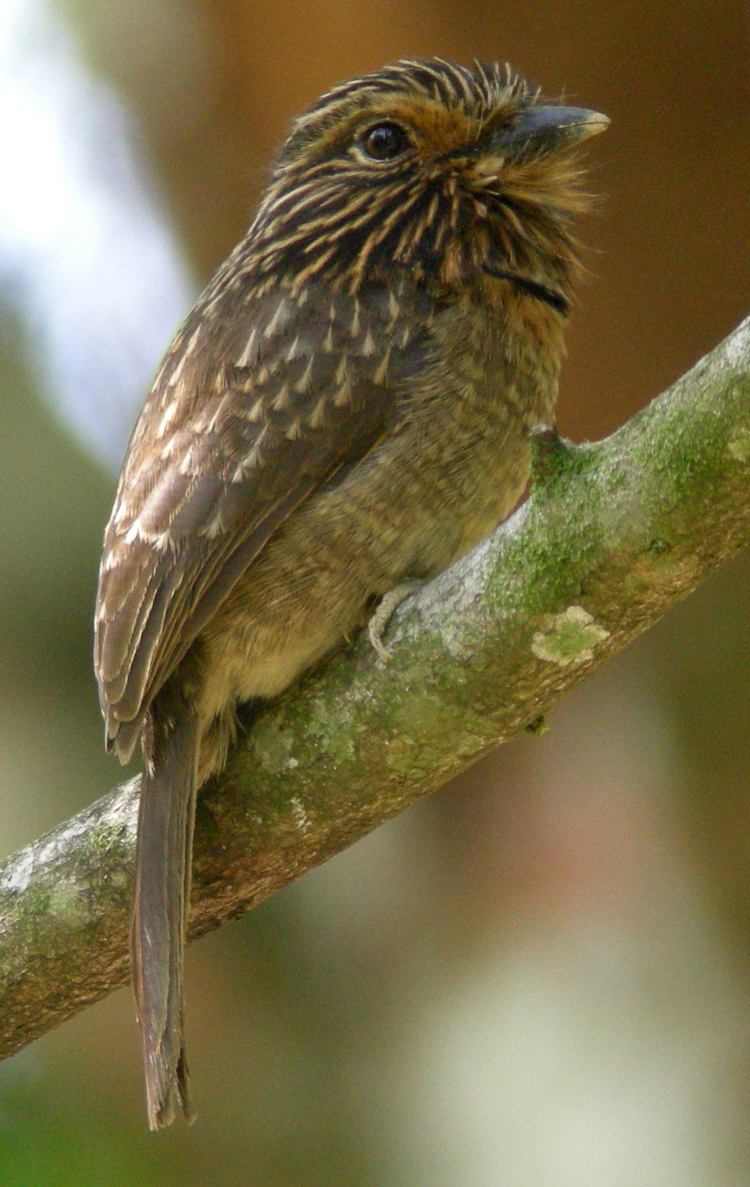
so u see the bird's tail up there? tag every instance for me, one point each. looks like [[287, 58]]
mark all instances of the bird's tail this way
[[162, 901]]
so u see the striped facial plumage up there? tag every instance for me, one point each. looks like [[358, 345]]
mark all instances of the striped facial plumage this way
[[347, 407]]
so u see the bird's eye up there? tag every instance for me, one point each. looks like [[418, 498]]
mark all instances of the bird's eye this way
[[385, 141]]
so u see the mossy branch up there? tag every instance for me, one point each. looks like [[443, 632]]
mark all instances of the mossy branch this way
[[612, 535]]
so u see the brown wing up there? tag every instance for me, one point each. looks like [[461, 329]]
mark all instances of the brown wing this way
[[258, 403]]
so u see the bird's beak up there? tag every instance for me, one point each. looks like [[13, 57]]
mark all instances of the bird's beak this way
[[548, 128]]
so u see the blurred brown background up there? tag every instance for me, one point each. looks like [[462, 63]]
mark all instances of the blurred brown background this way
[[539, 977]]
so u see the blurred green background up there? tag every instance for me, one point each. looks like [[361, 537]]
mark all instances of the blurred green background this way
[[540, 977]]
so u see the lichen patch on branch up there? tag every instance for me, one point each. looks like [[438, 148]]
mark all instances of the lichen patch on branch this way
[[568, 638], [739, 444]]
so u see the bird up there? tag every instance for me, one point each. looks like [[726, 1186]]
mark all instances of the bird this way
[[346, 410]]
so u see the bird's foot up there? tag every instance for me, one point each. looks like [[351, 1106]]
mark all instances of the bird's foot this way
[[377, 625]]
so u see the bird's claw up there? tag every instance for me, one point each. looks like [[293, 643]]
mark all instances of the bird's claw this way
[[378, 624]]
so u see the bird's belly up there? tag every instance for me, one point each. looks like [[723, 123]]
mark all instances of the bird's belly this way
[[487, 498], [408, 513]]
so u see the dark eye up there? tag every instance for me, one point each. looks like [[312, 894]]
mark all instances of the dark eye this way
[[385, 141]]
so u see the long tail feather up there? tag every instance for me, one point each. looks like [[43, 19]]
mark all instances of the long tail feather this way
[[162, 901]]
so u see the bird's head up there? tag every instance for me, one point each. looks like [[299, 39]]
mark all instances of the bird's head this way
[[436, 168]]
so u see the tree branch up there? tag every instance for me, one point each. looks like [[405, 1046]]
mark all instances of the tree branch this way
[[612, 535]]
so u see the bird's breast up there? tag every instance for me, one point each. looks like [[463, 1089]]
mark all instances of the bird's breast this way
[[492, 378]]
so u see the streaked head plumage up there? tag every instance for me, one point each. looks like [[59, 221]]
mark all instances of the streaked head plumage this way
[[426, 165]]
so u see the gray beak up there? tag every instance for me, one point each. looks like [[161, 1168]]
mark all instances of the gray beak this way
[[549, 128]]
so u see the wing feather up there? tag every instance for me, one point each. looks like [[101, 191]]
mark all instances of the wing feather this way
[[223, 454]]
